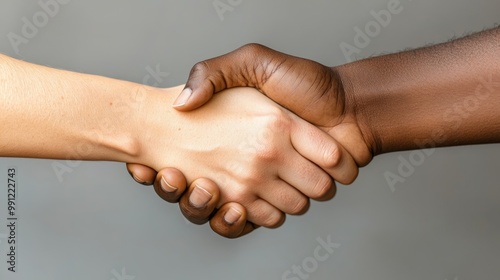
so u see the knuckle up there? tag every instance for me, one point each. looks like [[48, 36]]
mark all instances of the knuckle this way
[[276, 120], [267, 146], [199, 68], [260, 62], [273, 115], [332, 157], [211, 74], [264, 154], [247, 175], [253, 48]]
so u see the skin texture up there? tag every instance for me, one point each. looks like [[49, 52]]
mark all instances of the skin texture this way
[[444, 95], [251, 150]]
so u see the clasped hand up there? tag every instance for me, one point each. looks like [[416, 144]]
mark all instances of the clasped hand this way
[[249, 157]]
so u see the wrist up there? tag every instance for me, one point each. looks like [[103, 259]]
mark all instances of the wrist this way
[[154, 125], [421, 99], [110, 131], [63, 114], [356, 104]]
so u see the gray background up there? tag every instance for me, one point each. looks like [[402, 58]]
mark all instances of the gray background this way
[[441, 223]]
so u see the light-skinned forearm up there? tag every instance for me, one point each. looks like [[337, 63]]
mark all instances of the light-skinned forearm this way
[[444, 95], [50, 113]]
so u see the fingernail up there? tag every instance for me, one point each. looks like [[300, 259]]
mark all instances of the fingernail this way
[[166, 186], [139, 180], [232, 216], [200, 197], [183, 97]]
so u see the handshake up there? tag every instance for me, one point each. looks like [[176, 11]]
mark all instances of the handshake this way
[[255, 134], [260, 159], [325, 124]]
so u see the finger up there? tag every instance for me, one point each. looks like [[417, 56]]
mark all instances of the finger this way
[[286, 198], [142, 174], [200, 201], [201, 85], [170, 184], [360, 153], [320, 148], [235, 69], [231, 221], [306, 177], [329, 194], [262, 213]]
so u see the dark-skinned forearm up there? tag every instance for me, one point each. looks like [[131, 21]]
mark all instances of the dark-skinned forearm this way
[[444, 95]]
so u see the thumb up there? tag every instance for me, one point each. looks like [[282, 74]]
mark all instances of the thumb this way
[[234, 69], [200, 87]]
